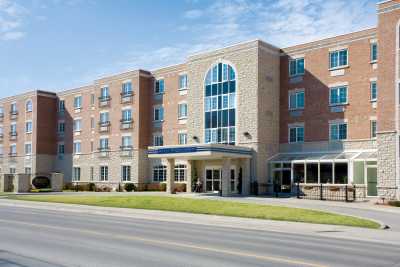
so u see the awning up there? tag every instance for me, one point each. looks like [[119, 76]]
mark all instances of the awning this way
[[323, 157]]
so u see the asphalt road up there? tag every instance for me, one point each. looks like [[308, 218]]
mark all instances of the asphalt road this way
[[30, 237]]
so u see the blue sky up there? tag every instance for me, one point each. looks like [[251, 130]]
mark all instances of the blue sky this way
[[61, 44]]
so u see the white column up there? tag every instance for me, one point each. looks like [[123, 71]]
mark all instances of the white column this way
[[246, 177], [170, 175], [189, 173], [226, 176], [319, 172], [350, 172]]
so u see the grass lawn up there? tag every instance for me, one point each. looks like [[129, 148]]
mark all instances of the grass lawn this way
[[215, 207]]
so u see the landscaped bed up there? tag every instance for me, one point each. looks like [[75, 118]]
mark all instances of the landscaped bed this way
[[215, 207]]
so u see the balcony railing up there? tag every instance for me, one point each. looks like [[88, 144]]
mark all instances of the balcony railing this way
[[126, 124], [104, 127], [126, 98], [126, 151], [104, 101], [13, 136], [13, 115], [12, 154], [104, 152]]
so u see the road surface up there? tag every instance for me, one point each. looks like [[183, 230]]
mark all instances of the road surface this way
[[33, 237]]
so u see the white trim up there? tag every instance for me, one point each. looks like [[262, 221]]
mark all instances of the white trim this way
[[338, 84]]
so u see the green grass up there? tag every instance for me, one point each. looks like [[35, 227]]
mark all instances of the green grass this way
[[215, 207]]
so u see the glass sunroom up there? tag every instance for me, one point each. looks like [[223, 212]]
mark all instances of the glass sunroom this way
[[341, 168]]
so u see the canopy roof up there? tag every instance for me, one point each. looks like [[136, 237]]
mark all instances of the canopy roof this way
[[313, 156]]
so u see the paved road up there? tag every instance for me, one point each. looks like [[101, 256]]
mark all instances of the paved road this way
[[30, 237]]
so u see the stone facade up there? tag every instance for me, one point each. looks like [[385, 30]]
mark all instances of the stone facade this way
[[387, 182]]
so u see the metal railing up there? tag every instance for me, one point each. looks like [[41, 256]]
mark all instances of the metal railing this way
[[347, 193]]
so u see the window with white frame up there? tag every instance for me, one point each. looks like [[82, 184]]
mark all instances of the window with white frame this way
[[159, 87], [180, 172], [158, 113], [220, 104], [338, 58], [1, 112], [92, 123], [61, 149], [296, 134], [13, 149], [61, 127], [183, 82], [182, 111], [91, 174], [1, 151], [61, 105], [77, 125], [104, 93], [338, 131], [182, 138], [78, 102], [373, 128], [13, 108], [104, 144], [1, 131], [92, 99], [28, 106], [126, 142], [126, 173], [158, 140], [104, 117], [296, 67], [13, 128], [13, 170], [126, 88], [77, 147], [374, 52], [296, 99], [374, 90], [338, 95], [28, 127], [103, 173], [126, 115], [76, 174], [28, 149], [160, 173], [28, 170]]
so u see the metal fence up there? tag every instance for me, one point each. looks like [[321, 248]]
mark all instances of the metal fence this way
[[347, 193]]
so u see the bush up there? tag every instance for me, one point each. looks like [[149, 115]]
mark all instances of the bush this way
[[129, 187], [92, 187], [41, 182], [394, 203]]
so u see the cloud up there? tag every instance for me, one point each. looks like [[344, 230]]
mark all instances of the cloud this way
[[11, 18], [193, 14]]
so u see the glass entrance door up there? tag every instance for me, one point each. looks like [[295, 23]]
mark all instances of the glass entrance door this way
[[213, 179], [372, 181]]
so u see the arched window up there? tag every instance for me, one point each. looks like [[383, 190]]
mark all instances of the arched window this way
[[220, 104], [28, 106]]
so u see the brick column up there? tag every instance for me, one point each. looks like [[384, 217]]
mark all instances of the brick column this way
[[189, 174], [226, 176], [170, 175]]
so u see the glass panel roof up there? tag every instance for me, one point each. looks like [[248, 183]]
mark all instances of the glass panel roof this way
[[324, 156]]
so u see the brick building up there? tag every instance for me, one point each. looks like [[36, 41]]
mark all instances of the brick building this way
[[325, 112]]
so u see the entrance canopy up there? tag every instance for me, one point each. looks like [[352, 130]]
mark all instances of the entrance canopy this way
[[324, 157], [199, 152]]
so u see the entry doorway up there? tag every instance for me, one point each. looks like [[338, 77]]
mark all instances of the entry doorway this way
[[213, 179], [372, 175], [282, 181]]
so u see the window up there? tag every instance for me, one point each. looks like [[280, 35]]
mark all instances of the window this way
[[13, 170], [159, 88], [61, 149], [158, 140], [127, 115], [92, 123], [92, 99], [220, 104], [296, 100], [28, 127], [180, 173], [61, 127], [77, 125], [296, 134], [104, 117], [13, 149], [338, 131], [338, 95], [78, 102], [1, 112], [91, 173], [158, 113], [13, 129], [28, 106], [183, 82], [374, 52], [103, 173], [160, 173], [182, 138], [103, 144], [61, 105], [1, 151], [373, 129], [126, 142], [182, 111], [76, 175], [374, 90], [1, 132], [13, 108], [125, 173], [338, 59], [105, 93], [126, 88], [296, 67], [77, 147], [28, 149], [91, 146], [28, 170]]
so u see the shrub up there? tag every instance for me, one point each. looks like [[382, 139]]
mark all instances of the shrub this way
[[129, 187], [41, 182], [394, 203], [92, 187]]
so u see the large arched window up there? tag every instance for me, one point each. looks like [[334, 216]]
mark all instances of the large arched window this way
[[220, 104]]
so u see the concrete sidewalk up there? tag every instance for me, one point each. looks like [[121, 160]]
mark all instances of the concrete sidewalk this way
[[341, 232]]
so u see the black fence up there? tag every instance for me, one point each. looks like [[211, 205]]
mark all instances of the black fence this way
[[347, 193]]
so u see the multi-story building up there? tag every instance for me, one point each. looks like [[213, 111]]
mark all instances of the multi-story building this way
[[325, 112]]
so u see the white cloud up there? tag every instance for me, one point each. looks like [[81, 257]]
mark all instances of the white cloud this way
[[193, 14], [11, 17], [12, 36]]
